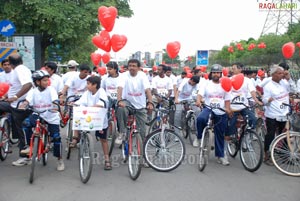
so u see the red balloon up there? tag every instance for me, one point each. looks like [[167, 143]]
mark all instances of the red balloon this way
[[4, 87], [101, 70], [189, 75], [237, 81], [118, 42], [203, 69], [206, 76], [288, 50], [96, 58], [107, 17], [173, 49], [186, 68], [226, 83], [298, 44], [225, 71], [260, 73], [102, 41], [106, 57], [154, 68], [145, 70]]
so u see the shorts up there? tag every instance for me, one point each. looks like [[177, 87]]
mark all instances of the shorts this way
[[103, 135]]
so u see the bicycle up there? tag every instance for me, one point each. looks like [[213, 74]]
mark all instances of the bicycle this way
[[285, 149], [190, 120], [164, 150], [132, 145], [261, 128], [5, 138], [112, 130], [66, 120], [247, 142]]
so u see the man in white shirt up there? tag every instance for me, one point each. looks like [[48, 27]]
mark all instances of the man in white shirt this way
[[161, 84], [55, 80], [276, 93], [135, 88], [72, 71], [21, 83]]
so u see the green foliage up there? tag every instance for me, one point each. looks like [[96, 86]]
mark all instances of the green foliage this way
[[67, 23]]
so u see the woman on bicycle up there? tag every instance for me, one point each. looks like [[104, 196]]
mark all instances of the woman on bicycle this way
[[96, 97], [41, 98], [215, 97]]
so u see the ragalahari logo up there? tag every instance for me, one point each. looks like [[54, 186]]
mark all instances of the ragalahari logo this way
[[280, 5]]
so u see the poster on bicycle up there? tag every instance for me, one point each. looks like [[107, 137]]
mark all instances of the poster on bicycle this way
[[88, 118]]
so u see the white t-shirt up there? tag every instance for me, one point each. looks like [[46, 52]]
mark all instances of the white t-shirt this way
[[68, 75], [214, 95], [41, 101], [89, 100], [21, 75], [7, 78], [291, 84], [76, 85], [110, 85], [162, 85], [280, 93], [56, 82], [186, 90], [174, 80], [242, 93], [134, 88]]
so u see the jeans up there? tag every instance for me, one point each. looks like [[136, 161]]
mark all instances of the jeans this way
[[220, 122]]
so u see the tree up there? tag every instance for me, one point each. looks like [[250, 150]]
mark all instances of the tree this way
[[68, 24]]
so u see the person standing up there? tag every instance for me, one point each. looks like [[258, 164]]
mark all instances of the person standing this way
[[55, 80], [72, 71]]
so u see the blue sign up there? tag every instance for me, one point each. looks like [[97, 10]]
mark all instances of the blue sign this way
[[7, 28], [202, 57]]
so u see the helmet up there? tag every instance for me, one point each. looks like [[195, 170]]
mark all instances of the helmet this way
[[216, 68], [39, 74]]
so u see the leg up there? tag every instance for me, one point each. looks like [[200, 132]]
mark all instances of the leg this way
[[219, 130], [141, 117], [57, 148], [177, 117], [103, 139], [251, 116], [202, 121]]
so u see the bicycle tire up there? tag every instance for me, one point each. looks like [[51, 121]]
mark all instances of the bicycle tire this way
[[85, 157], [261, 129], [33, 158], [111, 136], [45, 154], [286, 162], [4, 140], [204, 150], [135, 156], [233, 146], [251, 151], [157, 156], [191, 130], [69, 138]]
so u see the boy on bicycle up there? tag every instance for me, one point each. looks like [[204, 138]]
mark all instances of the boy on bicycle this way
[[96, 97], [41, 98]]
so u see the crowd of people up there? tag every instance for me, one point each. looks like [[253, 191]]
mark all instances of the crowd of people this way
[[115, 89]]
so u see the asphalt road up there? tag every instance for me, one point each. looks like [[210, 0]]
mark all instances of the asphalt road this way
[[216, 183]]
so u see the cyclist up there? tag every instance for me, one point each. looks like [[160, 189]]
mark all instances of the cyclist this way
[[216, 97], [41, 98], [55, 80], [72, 71], [276, 92], [96, 97], [135, 88]]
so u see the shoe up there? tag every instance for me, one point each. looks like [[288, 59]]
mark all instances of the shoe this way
[[223, 160], [25, 151], [196, 142], [269, 162], [120, 138], [21, 162], [107, 165], [60, 165], [146, 165]]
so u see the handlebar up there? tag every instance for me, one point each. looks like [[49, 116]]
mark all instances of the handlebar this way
[[213, 108]]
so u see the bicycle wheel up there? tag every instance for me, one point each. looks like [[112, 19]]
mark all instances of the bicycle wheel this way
[[251, 151], [285, 160], [111, 135], [69, 138], [261, 129], [33, 158], [135, 156], [191, 130], [45, 144], [233, 146], [4, 140], [85, 157], [154, 125], [204, 150], [164, 158]]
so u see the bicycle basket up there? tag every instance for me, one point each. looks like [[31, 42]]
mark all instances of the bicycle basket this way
[[295, 122]]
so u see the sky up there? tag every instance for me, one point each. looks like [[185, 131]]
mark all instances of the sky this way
[[196, 24]]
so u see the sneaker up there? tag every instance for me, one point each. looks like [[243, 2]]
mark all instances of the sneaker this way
[[60, 165], [21, 162], [25, 151], [120, 138], [196, 142], [223, 160]]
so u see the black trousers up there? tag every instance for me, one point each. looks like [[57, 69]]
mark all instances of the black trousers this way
[[272, 126]]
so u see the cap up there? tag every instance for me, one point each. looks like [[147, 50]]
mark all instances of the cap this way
[[72, 63]]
